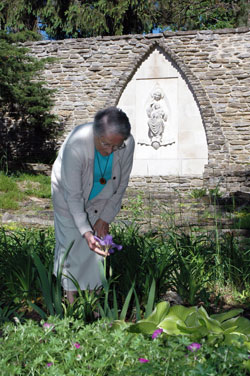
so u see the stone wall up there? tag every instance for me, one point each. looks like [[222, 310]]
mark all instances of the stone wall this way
[[92, 73]]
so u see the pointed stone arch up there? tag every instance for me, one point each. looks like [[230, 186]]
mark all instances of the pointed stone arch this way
[[216, 142]]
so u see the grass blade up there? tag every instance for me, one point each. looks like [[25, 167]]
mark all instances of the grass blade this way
[[38, 310], [126, 303], [138, 308], [151, 299]]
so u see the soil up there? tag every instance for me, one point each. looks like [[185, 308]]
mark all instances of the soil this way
[[31, 212]]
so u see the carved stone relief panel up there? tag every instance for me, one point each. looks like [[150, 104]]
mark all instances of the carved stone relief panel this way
[[158, 133], [166, 121]]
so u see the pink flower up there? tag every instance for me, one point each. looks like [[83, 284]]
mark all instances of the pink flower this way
[[49, 364], [77, 345], [194, 346], [143, 360], [157, 333], [47, 325]]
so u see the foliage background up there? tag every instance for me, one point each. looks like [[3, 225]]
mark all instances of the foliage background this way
[[28, 127], [73, 18]]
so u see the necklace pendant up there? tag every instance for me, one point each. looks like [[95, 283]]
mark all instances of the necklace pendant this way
[[102, 181]]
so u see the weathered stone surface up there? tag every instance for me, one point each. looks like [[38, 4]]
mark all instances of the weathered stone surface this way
[[92, 73]]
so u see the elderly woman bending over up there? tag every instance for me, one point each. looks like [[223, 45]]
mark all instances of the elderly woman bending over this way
[[89, 179]]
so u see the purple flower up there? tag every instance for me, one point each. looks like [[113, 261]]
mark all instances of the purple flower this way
[[194, 346], [143, 360], [77, 345], [157, 333], [47, 325], [107, 244], [49, 364]]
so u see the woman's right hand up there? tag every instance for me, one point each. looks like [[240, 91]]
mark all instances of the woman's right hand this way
[[93, 244]]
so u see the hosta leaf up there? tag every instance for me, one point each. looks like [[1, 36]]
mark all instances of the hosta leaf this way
[[232, 338], [246, 364], [242, 324], [181, 312], [197, 331], [230, 330], [226, 315], [118, 324], [159, 313], [212, 325], [170, 326], [192, 319], [203, 312], [247, 343], [145, 327], [229, 323]]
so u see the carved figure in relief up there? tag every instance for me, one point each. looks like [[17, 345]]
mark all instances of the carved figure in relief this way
[[157, 114]]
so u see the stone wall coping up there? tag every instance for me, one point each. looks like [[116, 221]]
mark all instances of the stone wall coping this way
[[167, 34]]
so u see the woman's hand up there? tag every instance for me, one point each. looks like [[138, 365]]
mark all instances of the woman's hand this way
[[101, 228], [93, 244]]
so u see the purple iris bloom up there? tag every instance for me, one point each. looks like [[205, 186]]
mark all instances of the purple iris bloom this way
[[107, 244], [194, 346]]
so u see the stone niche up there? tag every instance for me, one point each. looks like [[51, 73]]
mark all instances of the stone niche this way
[[165, 118]]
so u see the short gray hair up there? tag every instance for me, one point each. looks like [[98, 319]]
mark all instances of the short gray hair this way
[[112, 120]]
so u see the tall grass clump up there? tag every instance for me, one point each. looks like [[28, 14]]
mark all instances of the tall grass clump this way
[[18, 275]]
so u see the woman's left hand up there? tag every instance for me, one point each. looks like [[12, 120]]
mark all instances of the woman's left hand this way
[[101, 228]]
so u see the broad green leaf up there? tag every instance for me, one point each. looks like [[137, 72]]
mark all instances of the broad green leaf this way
[[170, 327], [243, 325], [246, 364], [226, 315], [247, 343], [181, 311], [212, 325], [230, 330], [203, 312], [118, 324], [198, 330], [159, 313], [192, 319], [229, 323], [232, 338], [145, 327]]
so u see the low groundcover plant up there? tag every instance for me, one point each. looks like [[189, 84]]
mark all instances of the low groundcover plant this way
[[73, 348]]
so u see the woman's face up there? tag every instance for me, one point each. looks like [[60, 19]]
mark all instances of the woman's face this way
[[108, 143]]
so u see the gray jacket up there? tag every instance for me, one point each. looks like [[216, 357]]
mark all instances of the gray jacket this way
[[72, 180]]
